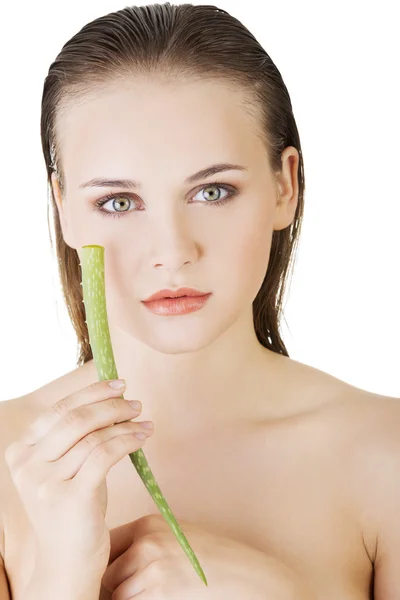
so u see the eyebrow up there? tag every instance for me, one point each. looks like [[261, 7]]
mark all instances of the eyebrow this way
[[130, 183]]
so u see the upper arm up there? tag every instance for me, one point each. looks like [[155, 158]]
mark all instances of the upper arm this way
[[382, 499]]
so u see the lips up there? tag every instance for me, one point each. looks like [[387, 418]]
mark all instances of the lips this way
[[179, 293], [181, 305]]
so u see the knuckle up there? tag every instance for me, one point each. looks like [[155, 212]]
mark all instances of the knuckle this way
[[150, 544], [92, 438], [154, 521], [129, 427], [12, 452], [116, 403], [45, 490], [18, 478], [70, 417], [101, 452], [60, 406], [156, 570], [83, 412], [21, 477], [77, 416], [94, 387], [147, 524]]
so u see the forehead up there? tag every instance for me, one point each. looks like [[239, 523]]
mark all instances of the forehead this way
[[136, 125]]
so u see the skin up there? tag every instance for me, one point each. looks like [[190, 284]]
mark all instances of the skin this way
[[197, 365], [330, 509], [309, 463]]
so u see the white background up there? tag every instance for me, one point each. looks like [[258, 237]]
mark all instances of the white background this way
[[339, 61]]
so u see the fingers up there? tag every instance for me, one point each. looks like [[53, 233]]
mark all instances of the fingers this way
[[73, 461]]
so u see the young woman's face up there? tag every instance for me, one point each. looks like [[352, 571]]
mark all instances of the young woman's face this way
[[213, 234]]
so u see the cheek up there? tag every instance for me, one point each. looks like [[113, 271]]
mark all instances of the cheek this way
[[88, 227], [96, 229], [246, 250], [80, 228]]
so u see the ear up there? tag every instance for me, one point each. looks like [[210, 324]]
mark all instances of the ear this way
[[60, 202], [287, 189]]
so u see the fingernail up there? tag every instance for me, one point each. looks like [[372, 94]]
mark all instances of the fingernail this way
[[117, 384]]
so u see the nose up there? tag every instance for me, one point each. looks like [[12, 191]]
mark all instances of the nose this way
[[173, 246]]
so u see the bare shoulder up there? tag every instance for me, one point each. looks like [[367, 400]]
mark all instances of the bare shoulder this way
[[366, 423], [355, 435], [369, 460], [372, 422], [362, 427], [30, 405], [375, 473], [362, 412], [360, 433]]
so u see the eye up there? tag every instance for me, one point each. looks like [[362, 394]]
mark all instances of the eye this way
[[216, 186], [123, 198], [120, 200]]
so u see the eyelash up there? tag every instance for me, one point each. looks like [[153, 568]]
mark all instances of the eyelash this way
[[231, 189]]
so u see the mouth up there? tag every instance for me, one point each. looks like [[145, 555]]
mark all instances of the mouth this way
[[177, 305], [179, 293]]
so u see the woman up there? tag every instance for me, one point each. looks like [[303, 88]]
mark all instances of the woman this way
[[282, 476]]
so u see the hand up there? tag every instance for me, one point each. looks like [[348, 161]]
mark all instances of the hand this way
[[59, 469], [147, 561]]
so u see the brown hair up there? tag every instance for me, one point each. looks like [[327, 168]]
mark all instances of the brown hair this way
[[184, 41]]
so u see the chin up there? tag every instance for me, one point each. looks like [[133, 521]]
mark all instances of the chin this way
[[182, 334], [181, 340]]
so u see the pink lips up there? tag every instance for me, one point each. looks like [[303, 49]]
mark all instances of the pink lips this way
[[182, 302], [184, 291]]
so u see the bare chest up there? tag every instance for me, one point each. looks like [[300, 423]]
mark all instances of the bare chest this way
[[274, 490]]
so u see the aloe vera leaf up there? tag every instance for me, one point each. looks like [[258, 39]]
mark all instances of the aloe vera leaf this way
[[94, 298]]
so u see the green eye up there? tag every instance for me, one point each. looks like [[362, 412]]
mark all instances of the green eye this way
[[231, 190]]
